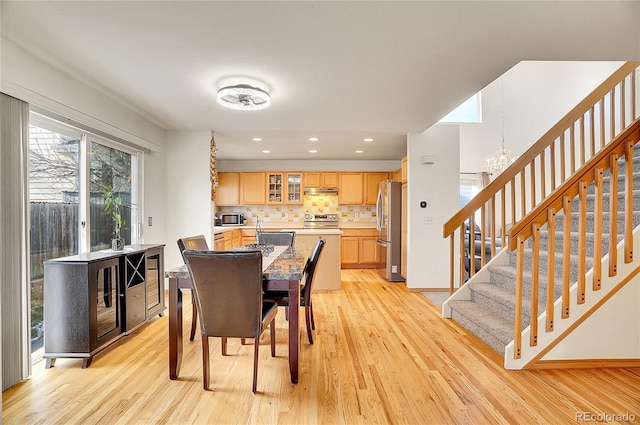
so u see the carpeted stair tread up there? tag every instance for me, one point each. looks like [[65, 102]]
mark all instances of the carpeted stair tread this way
[[493, 329], [501, 300]]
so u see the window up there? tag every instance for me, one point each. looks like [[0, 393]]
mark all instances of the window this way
[[469, 111], [54, 211], [69, 173], [470, 185]]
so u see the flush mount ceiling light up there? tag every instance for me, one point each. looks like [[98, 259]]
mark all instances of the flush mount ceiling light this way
[[243, 97], [313, 139]]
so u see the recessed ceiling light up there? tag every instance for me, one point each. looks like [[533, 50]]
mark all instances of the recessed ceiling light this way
[[266, 151], [359, 151], [313, 139], [257, 139], [368, 139], [313, 151]]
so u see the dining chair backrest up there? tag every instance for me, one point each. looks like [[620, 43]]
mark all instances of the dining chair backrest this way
[[228, 288], [311, 267], [276, 238], [192, 242]]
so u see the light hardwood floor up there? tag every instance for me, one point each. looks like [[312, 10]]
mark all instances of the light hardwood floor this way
[[381, 355]]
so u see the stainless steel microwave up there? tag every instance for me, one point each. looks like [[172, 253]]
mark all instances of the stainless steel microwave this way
[[231, 219]]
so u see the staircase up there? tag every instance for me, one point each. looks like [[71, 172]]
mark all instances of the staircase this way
[[490, 308], [566, 197]]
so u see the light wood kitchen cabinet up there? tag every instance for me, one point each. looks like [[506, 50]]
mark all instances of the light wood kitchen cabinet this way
[[236, 237], [228, 190], [293, 183], [350, 188], [227, 239], [403, 178], [349, 250], [371, 182], [397, 175], [248, 236], [275, 188], [321, 179], [369, 250], [403, 234], [360, 250], [404, 221], [253, 188]]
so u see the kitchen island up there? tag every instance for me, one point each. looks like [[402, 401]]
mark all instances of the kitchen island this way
[[327, 275]]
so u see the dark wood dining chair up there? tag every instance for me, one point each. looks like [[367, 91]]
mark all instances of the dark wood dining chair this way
[[282, 297], [228, 289], [198, 243], [275, 238]]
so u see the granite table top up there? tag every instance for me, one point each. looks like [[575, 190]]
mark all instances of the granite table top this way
[[284, 263]]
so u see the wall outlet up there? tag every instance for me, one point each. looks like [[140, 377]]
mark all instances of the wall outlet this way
[[149, 221]]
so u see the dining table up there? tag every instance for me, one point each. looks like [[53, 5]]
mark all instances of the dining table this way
[[282, 270]]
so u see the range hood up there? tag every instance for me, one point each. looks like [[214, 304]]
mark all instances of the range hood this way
[[321, 191]]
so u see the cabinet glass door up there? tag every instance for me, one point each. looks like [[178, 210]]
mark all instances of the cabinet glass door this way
[[107, 300], [275, 193], [294, 188], [153, 281]]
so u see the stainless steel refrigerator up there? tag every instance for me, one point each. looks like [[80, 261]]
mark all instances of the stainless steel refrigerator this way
[[388, 216]]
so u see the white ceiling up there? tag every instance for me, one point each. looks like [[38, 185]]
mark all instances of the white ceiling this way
[[340, 71]]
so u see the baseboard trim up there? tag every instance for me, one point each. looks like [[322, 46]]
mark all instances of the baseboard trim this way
[[585, 364]]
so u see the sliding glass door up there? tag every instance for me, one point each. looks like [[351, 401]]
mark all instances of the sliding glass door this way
[[54, 209], [73, 176], [110, 175]]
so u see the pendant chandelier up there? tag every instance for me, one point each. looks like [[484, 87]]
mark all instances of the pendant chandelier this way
[[500, 161]]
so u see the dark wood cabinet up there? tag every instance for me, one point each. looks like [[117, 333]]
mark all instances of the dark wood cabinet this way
[[92, 299]]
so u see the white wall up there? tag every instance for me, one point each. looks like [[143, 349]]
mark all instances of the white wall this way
[[536, 96], [438, 184], [30, 79], [188, 188], [154, 198], [613, 328]]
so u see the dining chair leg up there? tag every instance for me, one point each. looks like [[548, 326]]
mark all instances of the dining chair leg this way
[[307, 314], [205, 362], [313, 321], [194, 318], [286, 313], [243, 341], [272, 335], [223, 344], [255, 363]]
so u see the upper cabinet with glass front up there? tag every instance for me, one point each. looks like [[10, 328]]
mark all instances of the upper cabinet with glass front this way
[[294, 188], [275, 188]]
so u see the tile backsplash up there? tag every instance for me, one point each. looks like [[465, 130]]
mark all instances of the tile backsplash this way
[[316, 204]]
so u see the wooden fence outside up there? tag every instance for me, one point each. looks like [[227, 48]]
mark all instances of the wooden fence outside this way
[[54, 231]]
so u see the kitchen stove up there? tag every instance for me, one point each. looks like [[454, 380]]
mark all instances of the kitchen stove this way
[[320, 221]]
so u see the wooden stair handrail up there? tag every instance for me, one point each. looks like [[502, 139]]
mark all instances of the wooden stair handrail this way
[[545, 141], [585, 174]]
